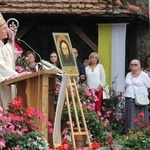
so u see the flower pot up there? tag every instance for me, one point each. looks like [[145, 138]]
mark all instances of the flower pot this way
[[80, 140]]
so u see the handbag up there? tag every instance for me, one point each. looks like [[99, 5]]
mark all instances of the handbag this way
[[106, 94], [141, 99]]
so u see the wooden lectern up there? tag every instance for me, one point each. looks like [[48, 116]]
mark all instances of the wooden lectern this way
[[37, 90]]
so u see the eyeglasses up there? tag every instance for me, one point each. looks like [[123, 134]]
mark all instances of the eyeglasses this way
[[134, 64]]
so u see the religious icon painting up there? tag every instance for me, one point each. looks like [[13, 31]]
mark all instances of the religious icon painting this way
[[65, 53]]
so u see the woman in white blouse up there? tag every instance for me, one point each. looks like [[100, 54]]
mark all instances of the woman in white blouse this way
[[95, 75], [138, 82]]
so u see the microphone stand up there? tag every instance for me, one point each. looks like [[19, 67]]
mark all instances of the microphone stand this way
[[33, 51]]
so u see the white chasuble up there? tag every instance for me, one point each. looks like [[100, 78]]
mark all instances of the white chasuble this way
[[7, 70]]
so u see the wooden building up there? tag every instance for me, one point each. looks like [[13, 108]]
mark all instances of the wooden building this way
[[39, 18]]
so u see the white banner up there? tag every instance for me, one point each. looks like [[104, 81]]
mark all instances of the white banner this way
[[118, 55], [57, 141]]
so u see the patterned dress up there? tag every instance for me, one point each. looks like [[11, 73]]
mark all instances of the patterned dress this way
[[135, 85], [131, 111]]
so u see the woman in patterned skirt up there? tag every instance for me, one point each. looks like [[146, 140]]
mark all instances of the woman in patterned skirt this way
[[136, 81]]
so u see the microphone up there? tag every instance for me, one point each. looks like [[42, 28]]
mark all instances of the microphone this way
[[32, 50], [51, 66]]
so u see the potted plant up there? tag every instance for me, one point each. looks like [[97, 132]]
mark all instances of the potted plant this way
[[18, 129], [138, 138], [98, 126], [113, 110]]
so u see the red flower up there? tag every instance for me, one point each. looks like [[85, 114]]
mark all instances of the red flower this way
[[134, 120], [11, 115], [16, 103], [95, 145], [21, 118], [110, 141], [141, 114], [64, 147], [64, 140], [30, 121]]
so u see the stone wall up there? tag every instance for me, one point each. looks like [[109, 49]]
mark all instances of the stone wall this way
[[143, 35], [142, 3], [143, 41]]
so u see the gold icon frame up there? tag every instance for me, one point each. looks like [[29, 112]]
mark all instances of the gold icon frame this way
[[67, 61]]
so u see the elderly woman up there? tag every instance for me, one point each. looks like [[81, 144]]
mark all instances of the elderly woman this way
[[31, 58], [96, 79], [137, 82]]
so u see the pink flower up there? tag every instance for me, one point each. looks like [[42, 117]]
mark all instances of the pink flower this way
[[103, 107], [106, 123], [65, 102], [87, 92], [2, 143], [49, 124], [18, 121], [19, 69], [68, 122], [57, 90], [65, 131], [25, 129], [50, 130], [17, 147], [18, 133], [99, 114], [84, 103]]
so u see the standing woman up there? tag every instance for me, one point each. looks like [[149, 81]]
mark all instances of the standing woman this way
[[136, 81], [54, 59], [96, 79]]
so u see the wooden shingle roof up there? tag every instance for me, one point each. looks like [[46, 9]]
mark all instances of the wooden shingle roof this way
[[95, 7]]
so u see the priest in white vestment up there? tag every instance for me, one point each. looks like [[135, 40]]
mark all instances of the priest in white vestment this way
[[7, 63]]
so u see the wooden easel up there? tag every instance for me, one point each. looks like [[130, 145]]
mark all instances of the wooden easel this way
[[72, 84]]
